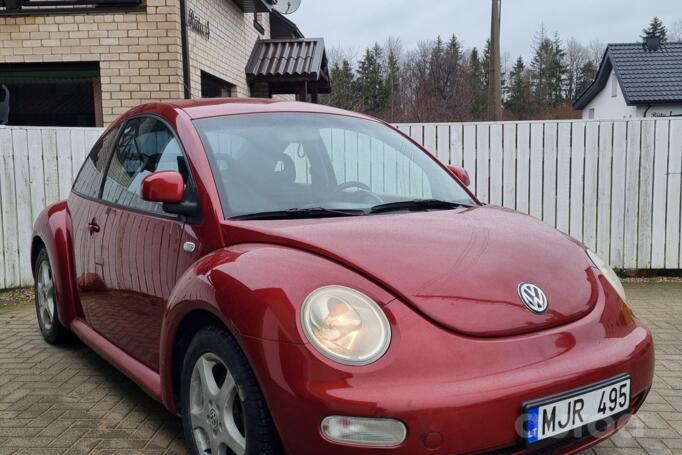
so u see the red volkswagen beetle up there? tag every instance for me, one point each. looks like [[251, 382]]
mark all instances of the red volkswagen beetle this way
[[295, 278]]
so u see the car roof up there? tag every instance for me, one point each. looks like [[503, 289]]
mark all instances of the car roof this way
[[215, 107]]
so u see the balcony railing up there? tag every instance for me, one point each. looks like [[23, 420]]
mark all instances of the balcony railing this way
[[21, 7]]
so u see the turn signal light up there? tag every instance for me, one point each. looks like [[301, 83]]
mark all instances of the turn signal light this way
[[364, 431]]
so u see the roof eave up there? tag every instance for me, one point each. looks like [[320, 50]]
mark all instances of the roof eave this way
[[597, 85], [654, 102], [289, 25]]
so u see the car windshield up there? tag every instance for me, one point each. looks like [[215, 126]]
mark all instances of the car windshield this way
[[320, 164]]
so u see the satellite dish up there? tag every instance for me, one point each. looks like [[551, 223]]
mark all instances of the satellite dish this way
[[286, 6]]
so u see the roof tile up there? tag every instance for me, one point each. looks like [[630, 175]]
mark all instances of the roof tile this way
[[303, 57]]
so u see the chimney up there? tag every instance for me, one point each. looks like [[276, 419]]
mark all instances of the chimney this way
[[652, 43]]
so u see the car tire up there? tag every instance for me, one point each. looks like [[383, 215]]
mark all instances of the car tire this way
[[222, 406], [47, 309]]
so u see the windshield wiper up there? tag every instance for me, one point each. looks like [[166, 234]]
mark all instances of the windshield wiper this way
[[416, 205], [314, 212]]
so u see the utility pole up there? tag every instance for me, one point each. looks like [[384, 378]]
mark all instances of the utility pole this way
[[494, 67]]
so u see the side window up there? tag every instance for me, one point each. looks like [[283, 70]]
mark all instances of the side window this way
[[89, 178], [146, 146], [356, 157]]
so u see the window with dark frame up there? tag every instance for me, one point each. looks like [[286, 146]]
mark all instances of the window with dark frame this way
[[89, 179], [214, 87], [146, 145], [51, 94], [15, 7]]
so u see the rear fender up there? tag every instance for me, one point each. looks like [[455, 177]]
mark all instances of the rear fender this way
[[53, 229]]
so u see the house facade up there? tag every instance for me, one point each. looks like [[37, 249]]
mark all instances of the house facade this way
[[83, 63], [636, 80]]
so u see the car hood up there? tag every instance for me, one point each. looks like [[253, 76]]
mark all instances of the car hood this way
[[461, 268]]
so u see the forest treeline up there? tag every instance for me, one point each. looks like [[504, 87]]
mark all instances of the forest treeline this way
[[442, 81]]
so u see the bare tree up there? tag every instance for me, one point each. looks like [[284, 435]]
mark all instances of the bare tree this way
[[675, 31], [418, 102], [393, 58], [337, 54], [595, 51], [394, 45], [576, 57]]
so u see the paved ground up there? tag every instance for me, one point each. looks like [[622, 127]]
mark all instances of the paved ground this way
[[68, 401]]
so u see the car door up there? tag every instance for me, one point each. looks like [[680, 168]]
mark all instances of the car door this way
[[140, 241], [87, 215]]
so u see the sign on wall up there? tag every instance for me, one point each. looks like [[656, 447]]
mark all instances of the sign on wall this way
[[199, 25]]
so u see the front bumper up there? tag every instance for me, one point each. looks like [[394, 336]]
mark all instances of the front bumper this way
[[455, 394]]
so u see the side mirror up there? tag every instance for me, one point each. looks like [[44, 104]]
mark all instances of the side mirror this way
[[167, 187], [460, 173]]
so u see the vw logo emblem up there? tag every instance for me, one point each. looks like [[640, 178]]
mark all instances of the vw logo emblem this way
[[533, 297]]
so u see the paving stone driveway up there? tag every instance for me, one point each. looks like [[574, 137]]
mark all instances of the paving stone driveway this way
[[67, 400]]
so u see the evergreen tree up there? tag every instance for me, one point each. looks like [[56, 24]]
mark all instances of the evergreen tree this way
[[556, 72], [539, 65], [657, 29], [455, 66], [548, 71], [454, 55], [518, 91], [393, 83], [475, 82], [485, 65], [342, 81], [370, 83], [438, 75], [585, 77]]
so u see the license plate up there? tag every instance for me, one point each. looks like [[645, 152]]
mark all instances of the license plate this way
[[554, 416]]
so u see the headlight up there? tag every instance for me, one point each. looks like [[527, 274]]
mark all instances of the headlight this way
[[345, 325], [608, 273]]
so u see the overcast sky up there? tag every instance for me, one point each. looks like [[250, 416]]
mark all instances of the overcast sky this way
[[356, 24]]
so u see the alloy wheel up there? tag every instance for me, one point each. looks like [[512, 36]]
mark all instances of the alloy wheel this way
[[45, 295], [215, 404]]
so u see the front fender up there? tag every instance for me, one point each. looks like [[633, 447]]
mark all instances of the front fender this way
[[257, 291], [53, 228]]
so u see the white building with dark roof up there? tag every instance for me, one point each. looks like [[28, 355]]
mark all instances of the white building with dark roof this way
[[636, 80]]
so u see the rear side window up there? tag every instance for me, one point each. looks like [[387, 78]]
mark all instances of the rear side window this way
[[146, 145], [89, 180]]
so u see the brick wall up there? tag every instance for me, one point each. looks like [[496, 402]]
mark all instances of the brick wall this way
[[139, 52], [229, 47]]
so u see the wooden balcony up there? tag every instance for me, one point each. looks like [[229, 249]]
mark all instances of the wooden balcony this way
[[47, 7]]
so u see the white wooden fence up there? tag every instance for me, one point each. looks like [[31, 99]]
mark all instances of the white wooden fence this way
[[613, 185], [37, 167]]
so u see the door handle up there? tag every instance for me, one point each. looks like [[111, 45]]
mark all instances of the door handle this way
[[93, 227]]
